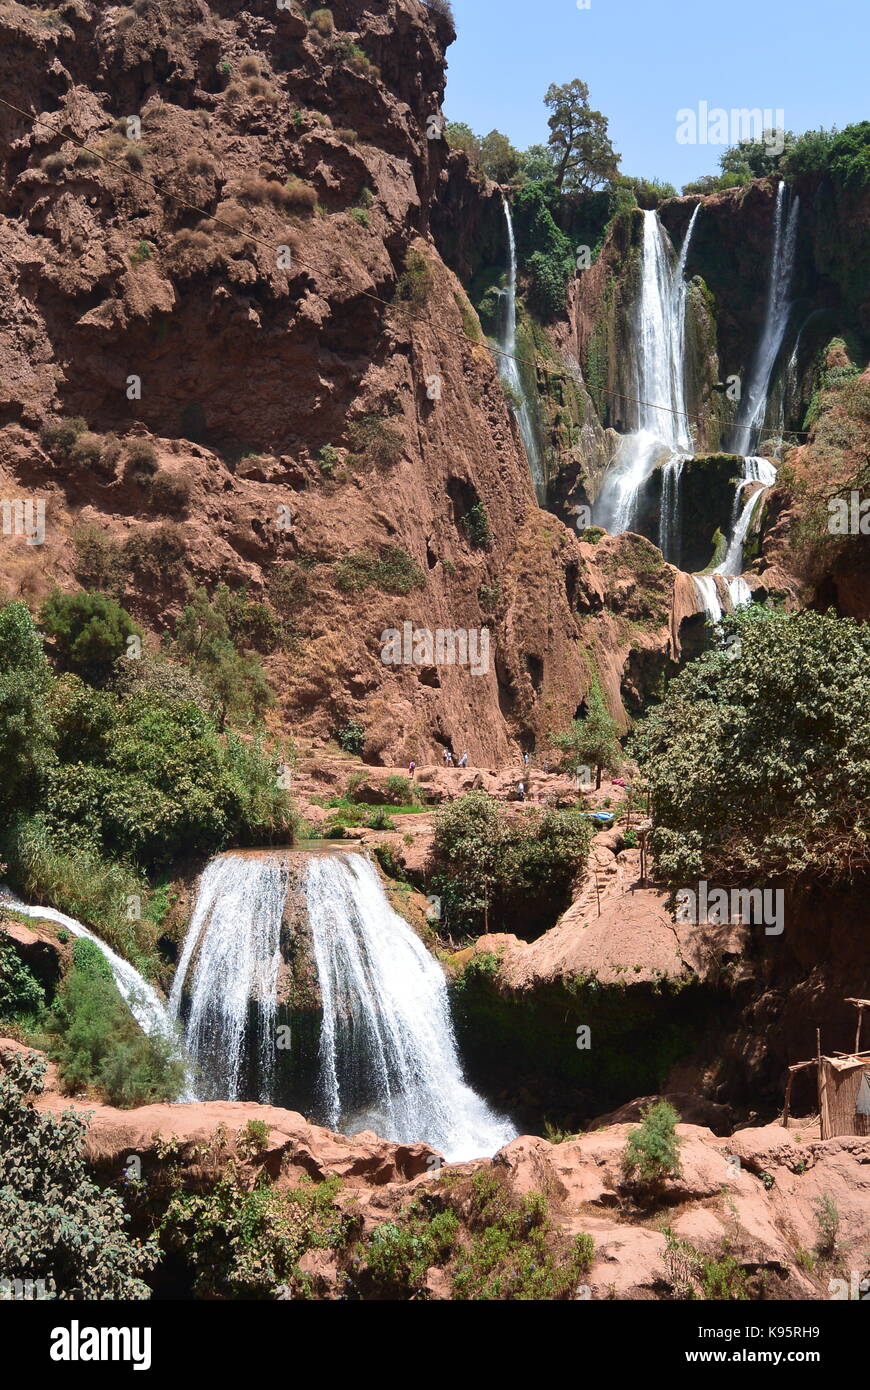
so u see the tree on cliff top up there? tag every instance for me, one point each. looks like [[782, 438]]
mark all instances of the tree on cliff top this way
[[583, 156]]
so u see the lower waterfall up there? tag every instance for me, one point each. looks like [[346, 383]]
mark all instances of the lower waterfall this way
[[388, 1056]]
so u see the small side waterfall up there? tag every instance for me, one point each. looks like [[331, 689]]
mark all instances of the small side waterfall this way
[[747, 431], [142, 999], [388, 1057], [708, 594], [662, 430], [508, 367], [229, 971]]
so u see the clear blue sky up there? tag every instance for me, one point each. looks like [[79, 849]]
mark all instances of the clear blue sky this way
[[644, 60]]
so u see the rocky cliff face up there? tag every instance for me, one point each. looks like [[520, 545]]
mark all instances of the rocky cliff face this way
[[251, 285]]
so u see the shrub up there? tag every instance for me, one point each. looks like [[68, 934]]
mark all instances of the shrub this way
[[416, 281], [827, 1220], [329, 458], [652, 1154], [156, 552], [208, 633], [99, 562], [170, 492], [144, 251], [20, 991], [27, 738], [97, 1043], [245, 1243], [140, 462], [382, 442], [393, 571], [59, 436], [58, 1225], [475, 524], [592, 741], [322, 20], [361, 217], [89, 632], [87, 159], [400, 790], [484, 862], [352, 738], [54, 164]]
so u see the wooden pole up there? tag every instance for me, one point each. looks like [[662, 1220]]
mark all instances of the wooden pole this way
[[820, 1082], [787, 1100]]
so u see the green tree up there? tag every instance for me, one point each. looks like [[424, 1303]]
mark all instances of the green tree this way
[[652, 1154], [204, 635], [58, 1225], [583, 156], [26, 734], [756, 159], [592, 741], [89, 632], [758, 758], [461, 137], [500, 160], [536, 164]]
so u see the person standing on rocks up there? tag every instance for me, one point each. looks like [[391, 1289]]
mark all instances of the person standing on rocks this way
[[463, 761]]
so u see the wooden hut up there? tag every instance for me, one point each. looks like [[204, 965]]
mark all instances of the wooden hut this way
[[843, 1083]]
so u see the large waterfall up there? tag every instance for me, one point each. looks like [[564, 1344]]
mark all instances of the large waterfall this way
[[388, 1058], [753, 403], [661, 434], [226, 983], [508, 366]]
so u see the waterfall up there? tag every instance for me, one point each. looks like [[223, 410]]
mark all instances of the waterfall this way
[[755, 470], [388, 1057], [669, 510], [229, 972], [142, 999], [705, 588], [508, 367], [753, 404], [661, 426]]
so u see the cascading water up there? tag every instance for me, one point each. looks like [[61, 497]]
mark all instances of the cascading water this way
[[508, 366], [661, 433], [225, 987], [388, 1057], [753, 404], [142, 999]]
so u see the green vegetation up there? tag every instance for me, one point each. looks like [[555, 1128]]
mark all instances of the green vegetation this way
[[759, 762], [546, 251], [380, 441], [58, 1225], [89, 632], [592, 741], [101, 784], [475, 524], [583, 157], [392, 570], [652, 1154], [21, 994], [352, 738], [486, 864], [246, 1243], [416, 280], [211, 633], [97, 1043]]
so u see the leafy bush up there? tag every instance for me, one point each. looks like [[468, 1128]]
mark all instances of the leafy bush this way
[[97, 1043], [475, 524], [759, 763], [352, 738], [244, 1243], [485, 862], [59, 436], [209, 633], [20, 991], [323, 21], [400, 790], [57, 1224], [546, 252], [416, 281], [652, 1154], [393, 571], [26, 735], [89, 632]]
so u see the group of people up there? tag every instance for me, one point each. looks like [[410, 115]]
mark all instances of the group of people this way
[[459, 762]]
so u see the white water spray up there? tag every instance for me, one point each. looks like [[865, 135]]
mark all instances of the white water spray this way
[[661, 434], [753, 405], [388, 1058], [229, 972], [508, 367]]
